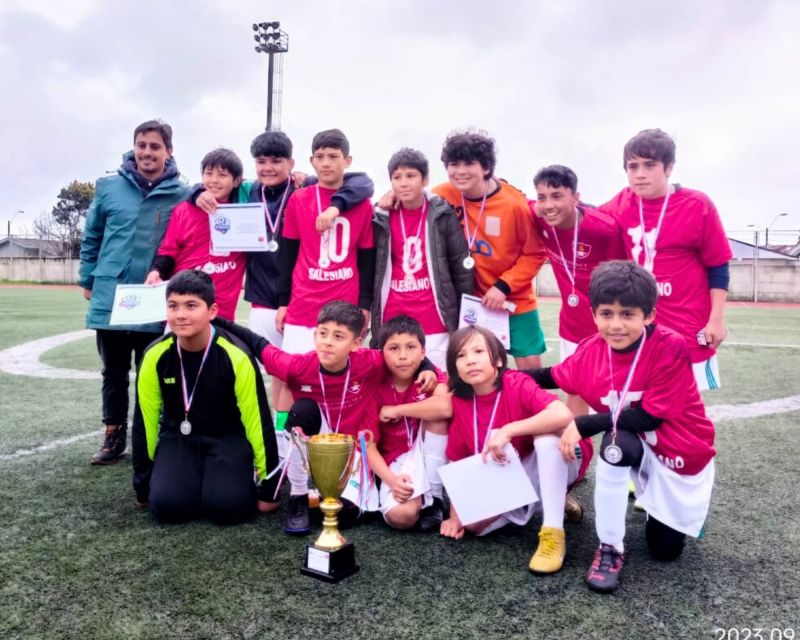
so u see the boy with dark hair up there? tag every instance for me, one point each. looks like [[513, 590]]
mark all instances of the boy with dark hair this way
[[333, 388], [677, 235], [420, 252], [505, 249], [205, 421], [187, 243], [337, 264], [413, 437], [124, 226], [638, 377]]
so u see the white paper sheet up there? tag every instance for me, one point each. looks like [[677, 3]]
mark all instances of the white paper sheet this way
[[473, 312], [481, 490], [238, 227], [139, 304]]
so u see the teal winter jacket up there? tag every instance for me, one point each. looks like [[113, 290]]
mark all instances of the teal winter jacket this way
[[124, 229]]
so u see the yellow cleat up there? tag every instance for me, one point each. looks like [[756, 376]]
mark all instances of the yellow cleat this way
[[549, 556], [573, 511]]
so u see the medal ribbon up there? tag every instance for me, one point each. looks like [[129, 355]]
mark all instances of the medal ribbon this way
[[188, 398], [273, 228], [616, 410], [471, 238], [409, 426], [475, 420], [648, 248], [325, 400], [570, 274], [407, 259]]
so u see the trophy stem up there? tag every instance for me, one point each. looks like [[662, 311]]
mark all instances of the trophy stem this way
[[330, 539]]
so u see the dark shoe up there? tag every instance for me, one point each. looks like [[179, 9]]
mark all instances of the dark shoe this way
[[603, 577], [349, 515], [431, 517], [573, 511], [114, 445], [297, 523]]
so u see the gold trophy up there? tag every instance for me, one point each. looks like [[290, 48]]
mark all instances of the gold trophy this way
[[328, 459]]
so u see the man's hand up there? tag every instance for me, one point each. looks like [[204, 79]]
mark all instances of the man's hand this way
[[388, 414], [569, 440], [87, 293], [715, 333], [388, 201], [452, 528], [280, 319], [298, 178], [207, 202], [326, 218], [493, 299], [266, 507], [402, 488], [494, 446], [426, 382], [153, 278]]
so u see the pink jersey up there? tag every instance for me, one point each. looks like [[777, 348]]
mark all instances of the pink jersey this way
[[691, 241], [414, 298], [521, 398], [599, 240], [352, 410], [663, 385], [188, 242], [398, 436], [327, 267]]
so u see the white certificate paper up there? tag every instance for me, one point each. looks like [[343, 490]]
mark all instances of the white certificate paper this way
[[139, 304], [481, 490], [238, 227], [473, 312]]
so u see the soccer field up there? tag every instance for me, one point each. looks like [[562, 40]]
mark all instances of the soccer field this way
[[78, 559]]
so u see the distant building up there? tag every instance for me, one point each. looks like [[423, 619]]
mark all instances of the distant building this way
[[15, 247]]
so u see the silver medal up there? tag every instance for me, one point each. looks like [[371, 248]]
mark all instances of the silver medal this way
[[573, 300], [272, 245], [613, 454], [469, 262], [186, 427]]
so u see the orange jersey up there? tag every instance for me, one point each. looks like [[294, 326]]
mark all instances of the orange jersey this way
[[507, 245]]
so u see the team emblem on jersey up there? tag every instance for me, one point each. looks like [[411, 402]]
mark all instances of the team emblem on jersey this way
[[305, 388], [584, 250], [129, 302], [470, 317], [355, 387], [421, 396], [208, 268], [223, 225], [545, 234]]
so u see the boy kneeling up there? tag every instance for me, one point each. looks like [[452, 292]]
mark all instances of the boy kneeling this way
[[202, 421]]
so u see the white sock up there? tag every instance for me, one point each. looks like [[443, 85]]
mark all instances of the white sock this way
[[297, 475], [553, 473], [611, 503], [433, 451]]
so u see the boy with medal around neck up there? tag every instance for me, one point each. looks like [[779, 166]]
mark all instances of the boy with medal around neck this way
[[203, 422], [638, 377], [677, 235], [505, 249], [333, 387], [272, 153], [420, 253]]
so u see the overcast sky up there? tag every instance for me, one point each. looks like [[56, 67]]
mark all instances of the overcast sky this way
[[567, 82]]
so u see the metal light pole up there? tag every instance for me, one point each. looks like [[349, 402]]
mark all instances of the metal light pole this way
[[11, 248], [272, 41], [766, 234], [755, 262]]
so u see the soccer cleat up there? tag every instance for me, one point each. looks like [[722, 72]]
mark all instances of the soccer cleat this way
[[431, 517], [349, 516], [549, 556], [631, 489], [114, 445], [603, 576], [573, 511], [297, 523]]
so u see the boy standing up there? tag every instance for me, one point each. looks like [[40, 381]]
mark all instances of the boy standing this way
[[187, 243], [505, 249], [205, 421], [677, 235], [420, 253], [337, 264]]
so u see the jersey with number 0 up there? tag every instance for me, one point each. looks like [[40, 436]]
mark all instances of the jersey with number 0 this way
[[327, 265], [663, 385], [691, 241]]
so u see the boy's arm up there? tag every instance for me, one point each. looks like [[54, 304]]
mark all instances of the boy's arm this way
[[357, 187], [552, 419], [144, 434], [438, 407], [400, 486], [289, 252], [543, 377], [93, 232], [715, 330], [164, 262]]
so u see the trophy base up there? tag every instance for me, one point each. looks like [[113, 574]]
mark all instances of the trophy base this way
[[330, 566]]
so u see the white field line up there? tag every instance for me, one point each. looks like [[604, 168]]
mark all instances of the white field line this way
[[50, 446], [23, 360]]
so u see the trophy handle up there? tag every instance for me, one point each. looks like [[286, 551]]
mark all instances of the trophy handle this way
[[299, 439]]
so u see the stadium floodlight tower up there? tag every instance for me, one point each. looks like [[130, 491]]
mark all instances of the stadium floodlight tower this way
[[274, 42]]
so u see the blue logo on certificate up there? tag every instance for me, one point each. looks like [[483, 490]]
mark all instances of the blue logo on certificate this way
[[470, 317], [223, 225], [129, 302]]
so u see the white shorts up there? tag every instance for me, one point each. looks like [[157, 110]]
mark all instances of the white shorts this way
[[680, 502], [567, 348], [387, 500], [436, 349], [522, 515], [297, 339], [262, 322], [707, 374]]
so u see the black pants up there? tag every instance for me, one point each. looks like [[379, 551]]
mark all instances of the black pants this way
[[664, 542], [115, 349], [194, 475]]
